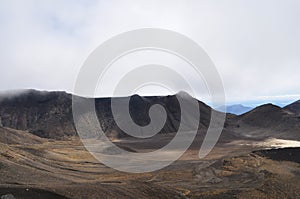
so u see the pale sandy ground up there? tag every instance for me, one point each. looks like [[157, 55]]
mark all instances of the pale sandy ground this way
[[268, 143]]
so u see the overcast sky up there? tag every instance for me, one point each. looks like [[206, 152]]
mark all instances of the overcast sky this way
[[254, 44]]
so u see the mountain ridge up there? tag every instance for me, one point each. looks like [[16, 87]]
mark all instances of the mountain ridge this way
[[268, 120], [237, 109], [49, 114], [294, 107]]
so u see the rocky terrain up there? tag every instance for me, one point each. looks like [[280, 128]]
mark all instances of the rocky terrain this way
[[64, 169], [268, 121], [46, 114], [282, 154], [49, 114], [41, 156]]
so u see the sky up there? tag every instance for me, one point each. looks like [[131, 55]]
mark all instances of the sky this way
[[255, 45]]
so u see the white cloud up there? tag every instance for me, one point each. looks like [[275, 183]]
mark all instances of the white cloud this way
[[254, 44]]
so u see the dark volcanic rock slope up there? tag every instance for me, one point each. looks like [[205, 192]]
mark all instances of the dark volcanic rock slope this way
[[268, 121], [46, 114], [49, 114], [139, 111], [294, 107]]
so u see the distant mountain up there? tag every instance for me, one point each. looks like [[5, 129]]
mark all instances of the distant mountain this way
[[265, 116], [49, 114], [268, 121], [237, 109], [294, 107]]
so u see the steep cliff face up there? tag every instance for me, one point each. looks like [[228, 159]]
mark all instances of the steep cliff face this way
[[49, 114], [139, 112], [46, 114]]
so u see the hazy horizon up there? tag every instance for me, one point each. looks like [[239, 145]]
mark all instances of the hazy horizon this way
[[251, 104]]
